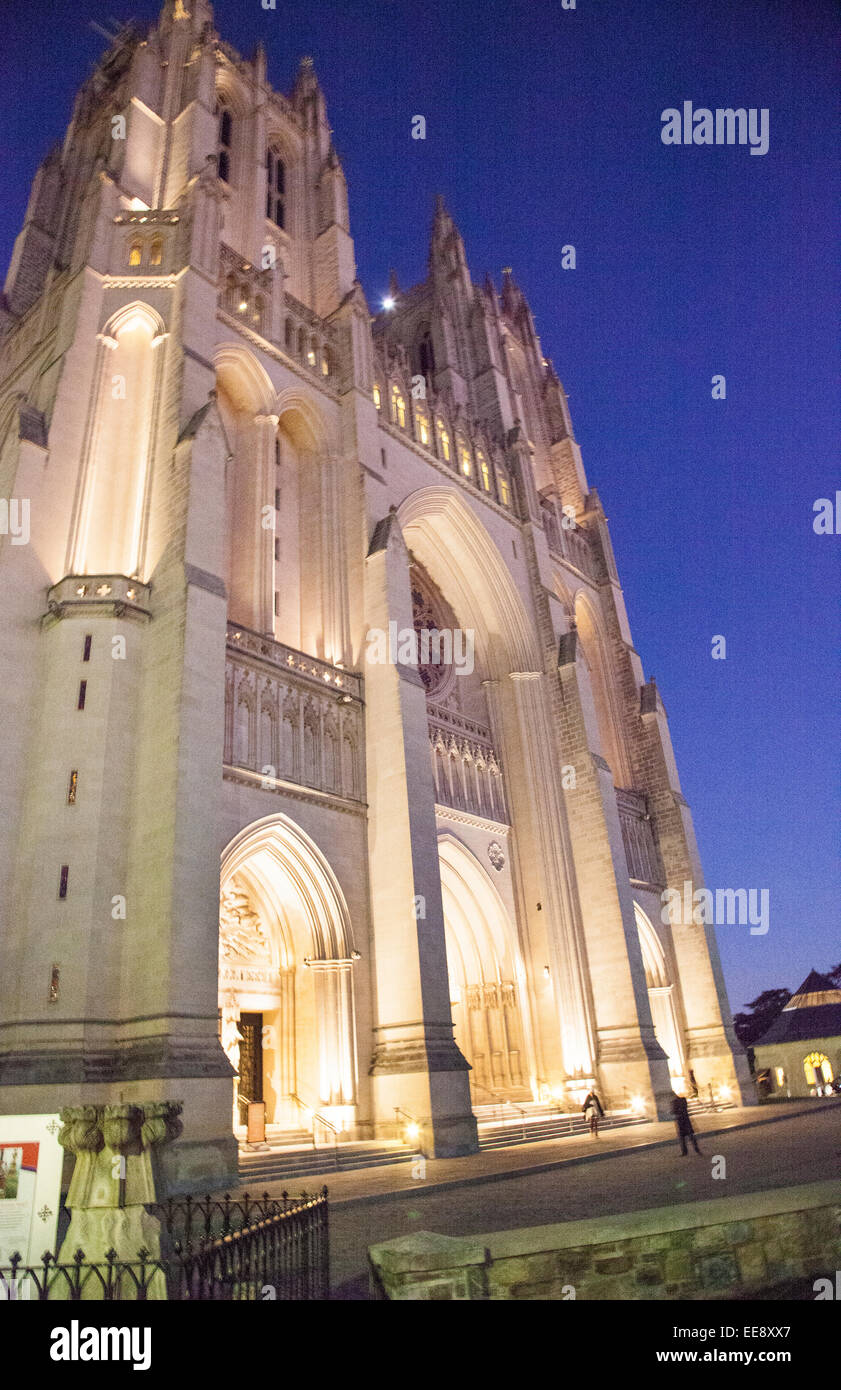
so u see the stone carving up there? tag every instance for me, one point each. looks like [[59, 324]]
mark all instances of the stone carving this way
[[121, 1126], [80, 1131], [496, 855], [242, 935]]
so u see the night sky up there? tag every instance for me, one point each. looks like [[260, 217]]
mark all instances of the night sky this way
[[543, 128]]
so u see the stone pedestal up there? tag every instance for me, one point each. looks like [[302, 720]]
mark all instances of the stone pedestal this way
[[116, 1177]]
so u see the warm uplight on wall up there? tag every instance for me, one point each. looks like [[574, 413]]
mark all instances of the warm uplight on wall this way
[[638, 1104], [547, 973], [724, 1092], [412, 1131]]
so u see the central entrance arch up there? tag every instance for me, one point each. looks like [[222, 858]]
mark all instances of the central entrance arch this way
[[486, 977], [286, 956]]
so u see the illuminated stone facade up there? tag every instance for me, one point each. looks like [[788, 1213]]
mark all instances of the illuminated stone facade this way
[[235, 477]]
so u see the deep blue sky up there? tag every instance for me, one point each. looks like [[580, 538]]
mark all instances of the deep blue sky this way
[[543, 128]]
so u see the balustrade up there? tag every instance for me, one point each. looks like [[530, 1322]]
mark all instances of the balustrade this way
[[467, 773], [293, 714]]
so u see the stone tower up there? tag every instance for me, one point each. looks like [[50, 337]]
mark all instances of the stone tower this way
[[234, 839]]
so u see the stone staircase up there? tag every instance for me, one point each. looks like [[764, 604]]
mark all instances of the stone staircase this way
[[295, 1157], [291, 1155], [530, 1122]]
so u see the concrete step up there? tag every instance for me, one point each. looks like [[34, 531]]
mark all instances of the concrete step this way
[[506, 1136], [269, 1165]]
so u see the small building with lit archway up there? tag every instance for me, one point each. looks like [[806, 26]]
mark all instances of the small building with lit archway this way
[[801, 1050]]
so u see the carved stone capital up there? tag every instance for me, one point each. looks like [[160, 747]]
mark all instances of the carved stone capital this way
[[81, 1130]]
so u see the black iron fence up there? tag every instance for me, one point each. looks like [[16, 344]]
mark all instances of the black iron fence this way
[[230, 1248]]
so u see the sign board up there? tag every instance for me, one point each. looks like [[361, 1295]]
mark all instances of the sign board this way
[[30, 1186], [256, 1122]]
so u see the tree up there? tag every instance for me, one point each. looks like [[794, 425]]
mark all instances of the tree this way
[[764, 1009], [835, 975]]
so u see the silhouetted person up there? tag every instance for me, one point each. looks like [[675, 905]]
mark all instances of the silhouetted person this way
[[593, 1111], [680, 1110]]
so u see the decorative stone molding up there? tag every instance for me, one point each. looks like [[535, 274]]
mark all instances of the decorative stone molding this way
[[97, 595], [115, 1178]]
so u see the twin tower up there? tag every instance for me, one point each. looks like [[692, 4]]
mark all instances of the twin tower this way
[[243, 858]]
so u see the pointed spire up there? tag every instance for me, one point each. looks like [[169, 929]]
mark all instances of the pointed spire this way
[[259, 61], [393, 284], [306, 79]]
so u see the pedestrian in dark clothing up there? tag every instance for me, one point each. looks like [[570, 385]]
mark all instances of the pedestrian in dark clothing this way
[[680, 1110], [593, 1110]]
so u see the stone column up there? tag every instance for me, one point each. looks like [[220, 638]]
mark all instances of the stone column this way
[[116, 1177], [265, 434], [417, 1065], [554, 931]]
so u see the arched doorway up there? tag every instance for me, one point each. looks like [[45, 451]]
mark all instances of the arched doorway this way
[[661, 998], [817, 1069], [286, 959], [486, 977]]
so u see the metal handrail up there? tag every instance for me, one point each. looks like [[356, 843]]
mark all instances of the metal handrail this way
[[398, 1110], [503, 1100], [317, 1115]]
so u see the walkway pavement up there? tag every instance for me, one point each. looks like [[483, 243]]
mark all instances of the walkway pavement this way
[[493, 1165], [561, 1180]]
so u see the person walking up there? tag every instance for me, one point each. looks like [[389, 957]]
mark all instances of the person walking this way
[[680, 1110], [593, 1112]]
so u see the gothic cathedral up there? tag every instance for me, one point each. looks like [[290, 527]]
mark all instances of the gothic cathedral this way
[[330, 779]]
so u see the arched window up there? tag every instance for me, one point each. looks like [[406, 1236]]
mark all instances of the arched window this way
[[275, 188], [378, 400], [504, 490], [156, 252], [135, 253], [398, 408], [325, 362], [423, 426], [443, 439], [426, 356], [815, 1063], [226, 140], [257, 315], [484, 470], [464, 459]]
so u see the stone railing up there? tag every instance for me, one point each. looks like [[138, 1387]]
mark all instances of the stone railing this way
[[568, 543], [253, 298], [291, 717], [640, 849], [467, 772]]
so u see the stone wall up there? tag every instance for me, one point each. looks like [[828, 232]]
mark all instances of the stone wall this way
[[729, 1248]]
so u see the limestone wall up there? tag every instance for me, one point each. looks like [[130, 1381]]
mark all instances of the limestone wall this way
[[729, 1248]]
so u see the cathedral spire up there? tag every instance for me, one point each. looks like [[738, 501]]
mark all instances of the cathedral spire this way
[[446, 247]]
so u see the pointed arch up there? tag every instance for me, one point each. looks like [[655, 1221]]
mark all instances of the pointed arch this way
[[449, 540], [595, 649], [281, 859], [661, 997], [244, 380], [486, 973]]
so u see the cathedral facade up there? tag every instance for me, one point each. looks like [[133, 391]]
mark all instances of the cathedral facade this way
[[331, 776]]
